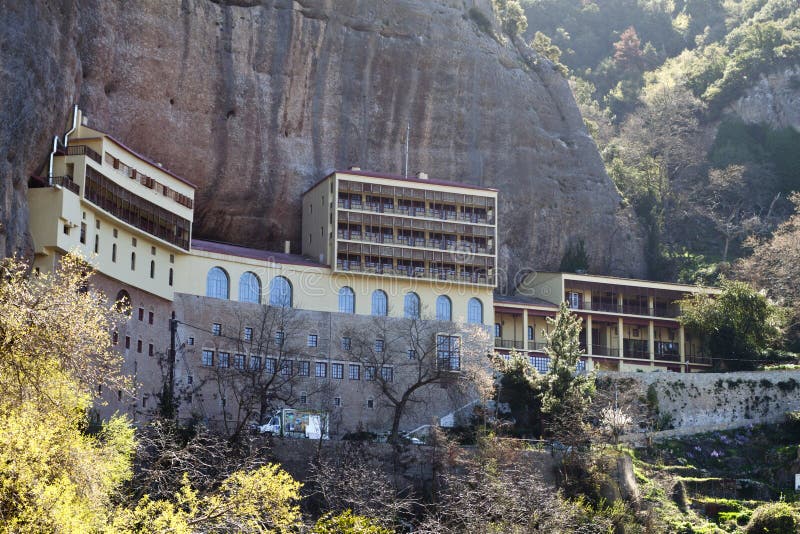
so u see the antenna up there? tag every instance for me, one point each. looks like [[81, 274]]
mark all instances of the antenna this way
[[408, 134]]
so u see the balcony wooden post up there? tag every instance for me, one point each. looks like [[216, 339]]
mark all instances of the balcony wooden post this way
[[620, 337], [651, 342], [682, 347], [525, 329]]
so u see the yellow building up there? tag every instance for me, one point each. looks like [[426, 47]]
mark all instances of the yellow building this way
[[628, 324]]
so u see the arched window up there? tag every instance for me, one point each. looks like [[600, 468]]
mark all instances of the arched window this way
[[411, 306], [217, 283], [114, 253], [170, 276], [152, 269], [379, 303], [249, 288], [474, 311], [347, 300], [280, 292], [444, 308], [133, 261], [123, 302]]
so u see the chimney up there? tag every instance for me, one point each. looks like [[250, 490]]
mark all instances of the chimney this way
[[422, 175], [287, 247], [354, 168]]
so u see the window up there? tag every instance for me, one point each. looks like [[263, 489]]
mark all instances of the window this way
[[97, 223], [238, 361], [190, 341], [150, 349], [337, 371], [217, 283], [153, 251], [286, 367], [139, 346], [530, 333], [133, 261], [581, 366], [114, 253], [474, 311], [170, 276], [378, 345], [208, 358], [412, 354], [370, 403], [150, 317], [280, 292], [280, 337], [152, 269], [141, 314], [270, 366], [498, 330], [337, 401], [540, 363], [255, 363], [379, 303], [115, 232], [574, 300], [216, 329], [144, 402], [321, 370], [354, 372], [96, 243], [312, 340], [249, 288], [346, 344], [83, 233], [444, 308], [411, 306], [248, 333], [448, 352], [347, 300], [115, 337], [303, 397], [224, 359], [66, 229], [189, 379], [369, 372], [127, 342], [119, 395], [133, 241], [303, 368], [387, 374], [172, 258]]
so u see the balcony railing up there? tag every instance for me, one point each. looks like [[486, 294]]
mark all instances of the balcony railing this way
[[67, 183], [448, 246], [416, 212], [82, 150], [508, 343], [415, 272], [629, 309]]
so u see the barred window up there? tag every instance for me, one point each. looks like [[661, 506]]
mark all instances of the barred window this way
[[224, 359], [208, 358], [387, 374], [355, 371], [448, 352], [337, 371], [321, 370], [303, 368]]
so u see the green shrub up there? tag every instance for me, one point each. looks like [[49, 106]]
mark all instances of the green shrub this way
[[774, 518]]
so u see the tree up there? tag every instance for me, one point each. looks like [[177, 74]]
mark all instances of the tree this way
[[737, 326], [512, 16], [55, 356], [628, 50], [348, 523], [406, 357], [544, 46]]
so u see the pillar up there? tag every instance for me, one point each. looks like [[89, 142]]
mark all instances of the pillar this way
[[620, 336], [620, 301], [525, 340], [682, 347], [589, 363], [651, 342], [651, 306]]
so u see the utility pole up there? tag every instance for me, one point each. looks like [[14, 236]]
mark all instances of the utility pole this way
[[168, 408], [408, 134]]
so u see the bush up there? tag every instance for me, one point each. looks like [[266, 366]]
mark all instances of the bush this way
[[774, 518]]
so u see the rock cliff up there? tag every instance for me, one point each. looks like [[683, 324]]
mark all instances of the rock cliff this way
[[255, 100], [774, 100]]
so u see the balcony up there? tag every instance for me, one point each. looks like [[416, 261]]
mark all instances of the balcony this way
[[406, 211], [508, 344], [670, 312], [65, 181], [81, 150], [414, 272]]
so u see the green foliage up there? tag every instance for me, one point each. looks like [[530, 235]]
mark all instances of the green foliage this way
[[544, 46], [512, 16], [774, 518], [575, 258], [737, 325], [348, 523]]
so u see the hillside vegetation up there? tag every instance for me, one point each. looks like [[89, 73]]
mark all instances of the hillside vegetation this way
[[657, 82]]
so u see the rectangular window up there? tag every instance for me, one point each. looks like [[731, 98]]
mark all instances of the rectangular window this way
[[320, 369], [303, 397], [153, 251], [149, 317], [370, 403], [255, 363], [151, 350], [448, 352], [190, 341], [83, 233], [378, 345], [238, 361], [66, 229], [189, 379], [280, 336], [312, 340], [387, 374], [133, 241], [270, 365], [115, 337], [139, 346], [115, 232], [355, 371], [97, 223], [412, 354], [337, 370], [541, 364], [224, 359], [369, 372], [172, 258], [286, 367], [337, 401], [216, 329], [127, 342], [346, 343], [248, 334], [96, 243], [303, 368], [141, 314], [208, 358]]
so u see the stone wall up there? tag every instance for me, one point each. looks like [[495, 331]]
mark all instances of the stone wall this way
[[702, 402]]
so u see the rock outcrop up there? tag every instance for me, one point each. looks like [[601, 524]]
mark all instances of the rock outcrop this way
[[774, 100], [255, 100]]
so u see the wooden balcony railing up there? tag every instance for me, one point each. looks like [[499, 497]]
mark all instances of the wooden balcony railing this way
[[82, 150], [629, 309], [67, 183]]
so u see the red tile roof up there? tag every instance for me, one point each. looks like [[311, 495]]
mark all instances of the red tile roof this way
[[253, 253]]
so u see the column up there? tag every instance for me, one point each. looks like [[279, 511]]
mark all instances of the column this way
[[620, 300], [525, 329], [651, 306], [651, 342], [589, 363], [682, 347], [620, 336]]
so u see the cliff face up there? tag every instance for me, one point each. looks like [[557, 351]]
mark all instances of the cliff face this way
[[255, 100], [774, 100]]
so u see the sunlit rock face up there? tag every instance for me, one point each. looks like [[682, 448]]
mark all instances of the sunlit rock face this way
[[254, 101]]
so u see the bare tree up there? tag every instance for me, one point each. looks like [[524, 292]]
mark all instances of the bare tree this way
[[405, 357]]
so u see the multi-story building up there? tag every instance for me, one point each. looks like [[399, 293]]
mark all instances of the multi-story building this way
[[628, 324]]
